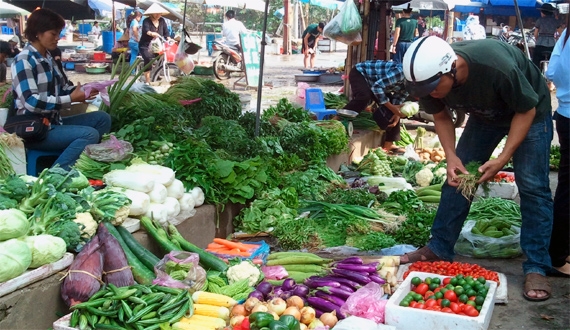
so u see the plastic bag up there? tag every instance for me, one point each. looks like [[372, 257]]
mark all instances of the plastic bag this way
[[109, 151], [156, 46], [183, 60], [274, 272], [180, 269], [301, 90], [100, 86], [351, 21], [480, 246], [411, 153], [366, 302], [170, 50], [355, 322], [333, 31]]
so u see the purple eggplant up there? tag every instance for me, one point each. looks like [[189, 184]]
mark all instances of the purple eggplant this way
[[345, 282], [376, 279], [325, 305], [358, 268], [354, 276], [288, 284], [335, 300], [351, 260], [301, 290], [337, 292], [264, 287], [257, 294], [317, 283]]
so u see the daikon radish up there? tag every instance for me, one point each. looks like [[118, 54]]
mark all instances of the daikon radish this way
[[158, 173], [175, 189], [186, 202], [158, 212], [139, 200], [198, 195], [158, 194], [129, 180], [173, 206]]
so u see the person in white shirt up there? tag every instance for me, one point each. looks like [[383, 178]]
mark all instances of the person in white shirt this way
[[96, 30], [231, 29]]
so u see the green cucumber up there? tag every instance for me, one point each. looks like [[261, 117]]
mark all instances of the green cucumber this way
[[141, 274], [207, 260], [429, 192], [158, 236], [144, 255], [430, 199]]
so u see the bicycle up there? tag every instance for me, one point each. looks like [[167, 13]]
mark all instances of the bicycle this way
[[164, 68]]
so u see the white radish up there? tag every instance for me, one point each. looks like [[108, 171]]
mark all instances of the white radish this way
[[158, 194], [158, 173], [186, 202], [129, 180], [158, 212], [198, 195], [139, 200], [172, 206], [175, 189]]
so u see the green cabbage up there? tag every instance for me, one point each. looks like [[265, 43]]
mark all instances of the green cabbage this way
[[13, 224], [15, 258], [45, 249]]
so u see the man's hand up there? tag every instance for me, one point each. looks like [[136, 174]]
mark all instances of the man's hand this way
[[454, 167], [490, 168]]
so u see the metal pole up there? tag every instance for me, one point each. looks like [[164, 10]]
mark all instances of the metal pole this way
[[261, 61], [519, 19]]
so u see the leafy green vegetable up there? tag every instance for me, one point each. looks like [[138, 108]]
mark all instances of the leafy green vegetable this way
[[109, 205], [227, 135], [268, 210], [13, 187], [354, 196], [314, 183], [373, 241], [45, 249], [284, 109], [555, 157], [13, 224], [15, 258]]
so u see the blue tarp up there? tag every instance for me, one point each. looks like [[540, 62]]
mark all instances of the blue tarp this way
[[507, 3], [528, 8]]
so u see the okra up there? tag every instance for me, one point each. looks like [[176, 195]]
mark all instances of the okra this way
[[164, 309], [99, 294], [74, 319], [100, 312], [142, 312], [138, 308], [90, 303], [104, 326], [83, 322], [181, 312], [148, 322], [153, 327], [103, 319], [107, 304], [148, 316], [153, 297], [121, 314], [137, 300], [92, 320], [144, 289], [124, 294], [127, 309], [158, 288]]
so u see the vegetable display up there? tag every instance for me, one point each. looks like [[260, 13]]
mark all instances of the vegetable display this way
[[452, 269]]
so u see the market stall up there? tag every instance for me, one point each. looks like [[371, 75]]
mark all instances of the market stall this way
[[185, 218]]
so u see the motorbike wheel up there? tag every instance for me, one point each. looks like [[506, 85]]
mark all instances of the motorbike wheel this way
[[173, 71], [219, 64], [457, 117]]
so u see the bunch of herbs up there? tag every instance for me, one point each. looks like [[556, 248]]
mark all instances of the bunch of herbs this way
[[286, 110], [269, 209]]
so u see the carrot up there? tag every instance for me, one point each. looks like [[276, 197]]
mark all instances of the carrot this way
[[235, 245], [216, 246], [234, 252]]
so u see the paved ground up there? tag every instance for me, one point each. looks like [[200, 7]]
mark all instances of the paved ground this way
[[517, 313]]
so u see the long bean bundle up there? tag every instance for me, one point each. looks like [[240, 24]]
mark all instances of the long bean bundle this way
[[494, 207]]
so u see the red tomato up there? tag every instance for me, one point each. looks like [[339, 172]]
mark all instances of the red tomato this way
[[413, 303], [431, 303], [245, 324], [421, 289], [437, 289], [472, 298], [455, 307], [437, 308], [470, 311], [420, 306], [450, 294], [428, 294], [446, 280], [447, 310]]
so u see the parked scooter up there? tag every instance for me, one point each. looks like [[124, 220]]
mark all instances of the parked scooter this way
[[458, 117], [227, 59]]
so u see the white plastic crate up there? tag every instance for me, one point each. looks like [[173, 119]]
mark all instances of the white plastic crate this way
[[505, 190], [407, 318]]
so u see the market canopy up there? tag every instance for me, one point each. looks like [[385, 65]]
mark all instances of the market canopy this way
[[7, 10], [329, 4], [258, 5], [427, 5], [75, 10], [105, 7]]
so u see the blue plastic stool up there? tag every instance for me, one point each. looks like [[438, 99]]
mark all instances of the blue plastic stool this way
[[315, 103], [32, 157]]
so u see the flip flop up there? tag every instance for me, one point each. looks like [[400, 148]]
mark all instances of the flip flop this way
[[536, 282], [556, 273], [422, 254]]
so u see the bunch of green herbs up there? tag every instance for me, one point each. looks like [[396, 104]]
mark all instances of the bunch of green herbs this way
[[268, 210]]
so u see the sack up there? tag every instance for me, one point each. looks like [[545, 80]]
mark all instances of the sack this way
[[481, 246], [382, 116], [183, 60], [351, 21], [31, 127]]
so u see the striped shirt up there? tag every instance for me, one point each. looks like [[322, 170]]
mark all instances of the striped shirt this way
[[386, 80], [39, 85]]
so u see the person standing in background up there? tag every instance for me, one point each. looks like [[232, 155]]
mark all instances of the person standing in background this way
[[545, 28], [473, 29], [559, 72], [134, 35], [404, 34], [421, 26], [309, 48], [96, 30]]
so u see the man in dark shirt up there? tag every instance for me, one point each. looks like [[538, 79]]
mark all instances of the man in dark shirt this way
[[310, 35], [405, 32]]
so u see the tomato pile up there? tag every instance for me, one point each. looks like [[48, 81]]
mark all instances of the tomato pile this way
[[453, 268], [457, 295], [504, 177]]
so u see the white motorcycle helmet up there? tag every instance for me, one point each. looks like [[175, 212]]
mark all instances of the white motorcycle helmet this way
[[424, 63]]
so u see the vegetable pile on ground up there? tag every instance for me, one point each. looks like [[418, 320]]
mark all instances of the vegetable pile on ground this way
[[452, 269]]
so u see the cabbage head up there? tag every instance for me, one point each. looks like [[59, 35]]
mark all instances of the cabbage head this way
[[15, 258], [45, 249], [13, 224]]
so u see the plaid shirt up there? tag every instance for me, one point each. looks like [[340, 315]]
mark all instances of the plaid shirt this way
[[386, 80], [38, 85]]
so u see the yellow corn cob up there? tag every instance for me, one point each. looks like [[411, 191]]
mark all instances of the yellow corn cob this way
[[191, 326], [213, 311], [205, 321], [216, 299]]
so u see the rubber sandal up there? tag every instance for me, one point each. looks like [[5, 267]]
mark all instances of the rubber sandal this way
[[536, 282], [422, 254], [556, 273]]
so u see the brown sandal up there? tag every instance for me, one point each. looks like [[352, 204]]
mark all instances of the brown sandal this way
[[536, 282], [422, 254]]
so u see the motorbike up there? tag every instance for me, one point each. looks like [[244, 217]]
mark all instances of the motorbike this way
[[227, 59], [458, 117]]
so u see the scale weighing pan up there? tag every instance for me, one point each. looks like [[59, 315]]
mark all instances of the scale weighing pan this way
[[347, 113]]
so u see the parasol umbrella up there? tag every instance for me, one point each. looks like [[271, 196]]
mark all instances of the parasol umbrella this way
[[7, 10], [428, 5]]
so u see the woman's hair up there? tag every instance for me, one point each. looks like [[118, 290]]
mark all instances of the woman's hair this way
[[40, 21]]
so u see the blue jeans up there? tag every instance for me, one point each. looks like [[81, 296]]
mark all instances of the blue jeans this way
[[134, 47], [531, 165], [74, 135], [401, 48]]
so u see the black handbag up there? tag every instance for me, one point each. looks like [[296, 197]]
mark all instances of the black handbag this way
[[31, 127]]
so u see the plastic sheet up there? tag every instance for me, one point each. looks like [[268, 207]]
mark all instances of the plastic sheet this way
[[196, 275], [366, 302]]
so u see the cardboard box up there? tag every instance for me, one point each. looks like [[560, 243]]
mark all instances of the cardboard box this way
[[407, 318]]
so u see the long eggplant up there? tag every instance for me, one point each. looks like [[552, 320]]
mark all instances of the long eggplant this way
[[368, 268], [354, 276], [335, 300], [376, 278], [351, 260], [325, 305], [337, 292], [345, 282], [317, 283]]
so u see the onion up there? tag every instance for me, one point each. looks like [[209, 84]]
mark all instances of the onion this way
[[275, 316], [277, 305], [307, 315], [329, 319], [295, 301], [236, 320], [316, 323], [264, 287], [250, 303], [259, 308], [257, 294], [288, 284], [238, 310], [302, 326], [294, 311]]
